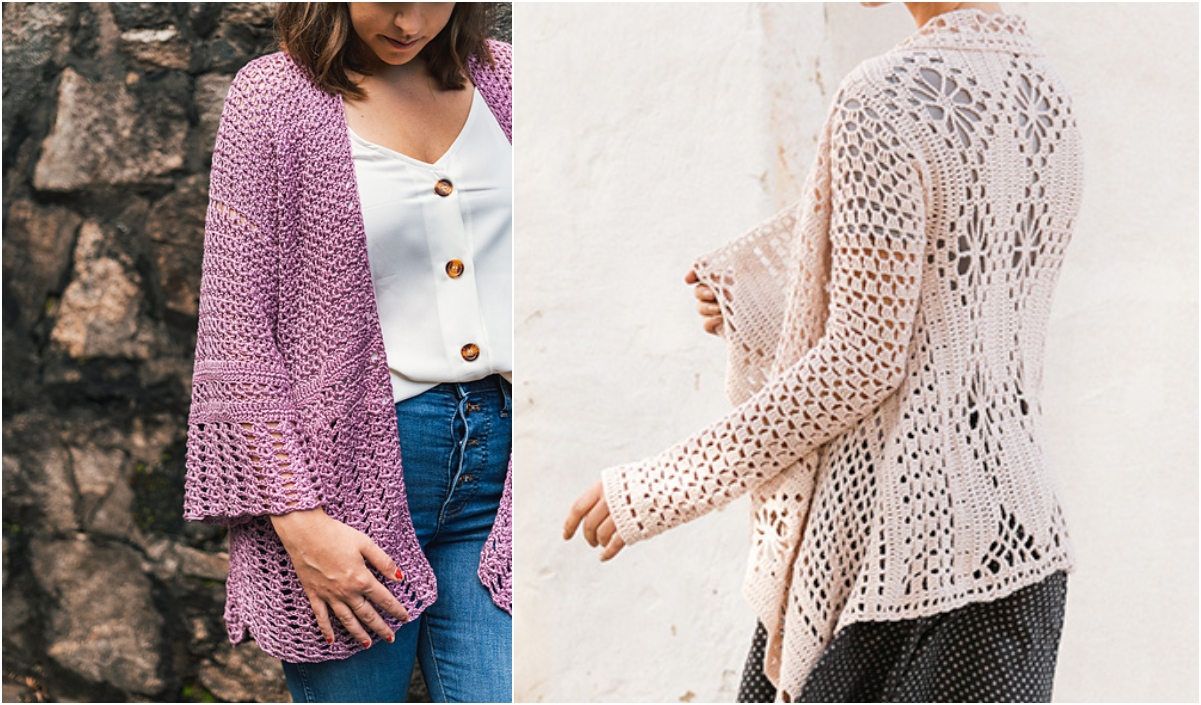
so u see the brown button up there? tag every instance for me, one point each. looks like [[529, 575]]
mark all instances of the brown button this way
[[454, 269], [444, 188], [470, 352]]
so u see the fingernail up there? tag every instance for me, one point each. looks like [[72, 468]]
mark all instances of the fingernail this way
[[329, 639], [390, 639], [366, 644], [399, 575]]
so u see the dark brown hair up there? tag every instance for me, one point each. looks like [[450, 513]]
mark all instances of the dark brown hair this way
[[320, 37]]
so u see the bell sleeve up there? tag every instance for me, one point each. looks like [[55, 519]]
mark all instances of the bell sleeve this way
[[245, 450], [496, 558], [877, 239]]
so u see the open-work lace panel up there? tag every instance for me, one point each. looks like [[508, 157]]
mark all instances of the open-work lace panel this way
[[292, 407], [886, 340]]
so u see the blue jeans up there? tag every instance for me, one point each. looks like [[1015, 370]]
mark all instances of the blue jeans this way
[[455, 442]]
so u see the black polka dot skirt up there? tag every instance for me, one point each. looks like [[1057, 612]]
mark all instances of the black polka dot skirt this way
[[999, 651]]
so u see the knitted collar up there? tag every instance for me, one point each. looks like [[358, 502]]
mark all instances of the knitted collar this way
[[971, 28]]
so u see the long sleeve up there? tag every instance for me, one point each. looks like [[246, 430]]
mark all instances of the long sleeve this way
[[495, 83], [877, 239], [245, 454]]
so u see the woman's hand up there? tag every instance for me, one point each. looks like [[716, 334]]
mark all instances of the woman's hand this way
[[599, 528], [706, 304], [329, 560]]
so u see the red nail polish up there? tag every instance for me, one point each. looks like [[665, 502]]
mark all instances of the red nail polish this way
[[329, 639], [366, 644], [390, 639], [399, 575]]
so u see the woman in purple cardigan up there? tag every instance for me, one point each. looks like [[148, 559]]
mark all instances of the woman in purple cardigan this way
[[355, 307]]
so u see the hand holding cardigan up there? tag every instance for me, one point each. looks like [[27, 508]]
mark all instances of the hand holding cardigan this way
[[329, 559], [707, 305]]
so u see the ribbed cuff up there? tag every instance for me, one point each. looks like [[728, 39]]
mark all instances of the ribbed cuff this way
[[623, 490]]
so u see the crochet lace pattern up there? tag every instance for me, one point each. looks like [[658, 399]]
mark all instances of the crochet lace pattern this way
[[885, 350], [291, 404]]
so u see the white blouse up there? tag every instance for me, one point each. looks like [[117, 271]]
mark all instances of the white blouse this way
[[440, 246]]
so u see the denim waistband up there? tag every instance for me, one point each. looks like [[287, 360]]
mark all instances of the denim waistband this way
[[492, 384]]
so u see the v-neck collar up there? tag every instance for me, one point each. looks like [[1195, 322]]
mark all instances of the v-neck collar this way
[[476, 98]]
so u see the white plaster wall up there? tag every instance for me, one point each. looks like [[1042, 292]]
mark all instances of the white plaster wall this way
[[648, 134]]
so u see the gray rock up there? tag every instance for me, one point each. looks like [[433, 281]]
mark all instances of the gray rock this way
[[37, 255], [244, 674], [85, 40], [127, 143], [203, 17], [21, 364], [103, 626], [14, 486], [243, 32], [150, 436], [151, 49], [84, 426], [175, 228], [96, 470], [17, 618], [200, 629], [114, 514], [198, 564], [15, 692], [162, 370], [37, 471], [211, 89], [101, 310], [158, 547], [169, 560], [165, 569], [142, 15], [255, 14], [502, 22], [36, 41], [46, 480]]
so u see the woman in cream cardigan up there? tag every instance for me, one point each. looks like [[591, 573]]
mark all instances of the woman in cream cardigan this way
[[885, 339]]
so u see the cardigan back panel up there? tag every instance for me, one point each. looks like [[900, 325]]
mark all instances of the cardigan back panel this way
[[885, 339], [292, 406]]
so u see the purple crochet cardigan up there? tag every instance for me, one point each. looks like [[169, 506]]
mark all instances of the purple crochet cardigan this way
[[291, 401]]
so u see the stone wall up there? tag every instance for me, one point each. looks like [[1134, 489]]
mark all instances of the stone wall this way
[[110, 113]]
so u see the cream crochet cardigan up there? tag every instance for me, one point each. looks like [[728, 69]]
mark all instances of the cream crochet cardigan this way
[[886, 340]]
